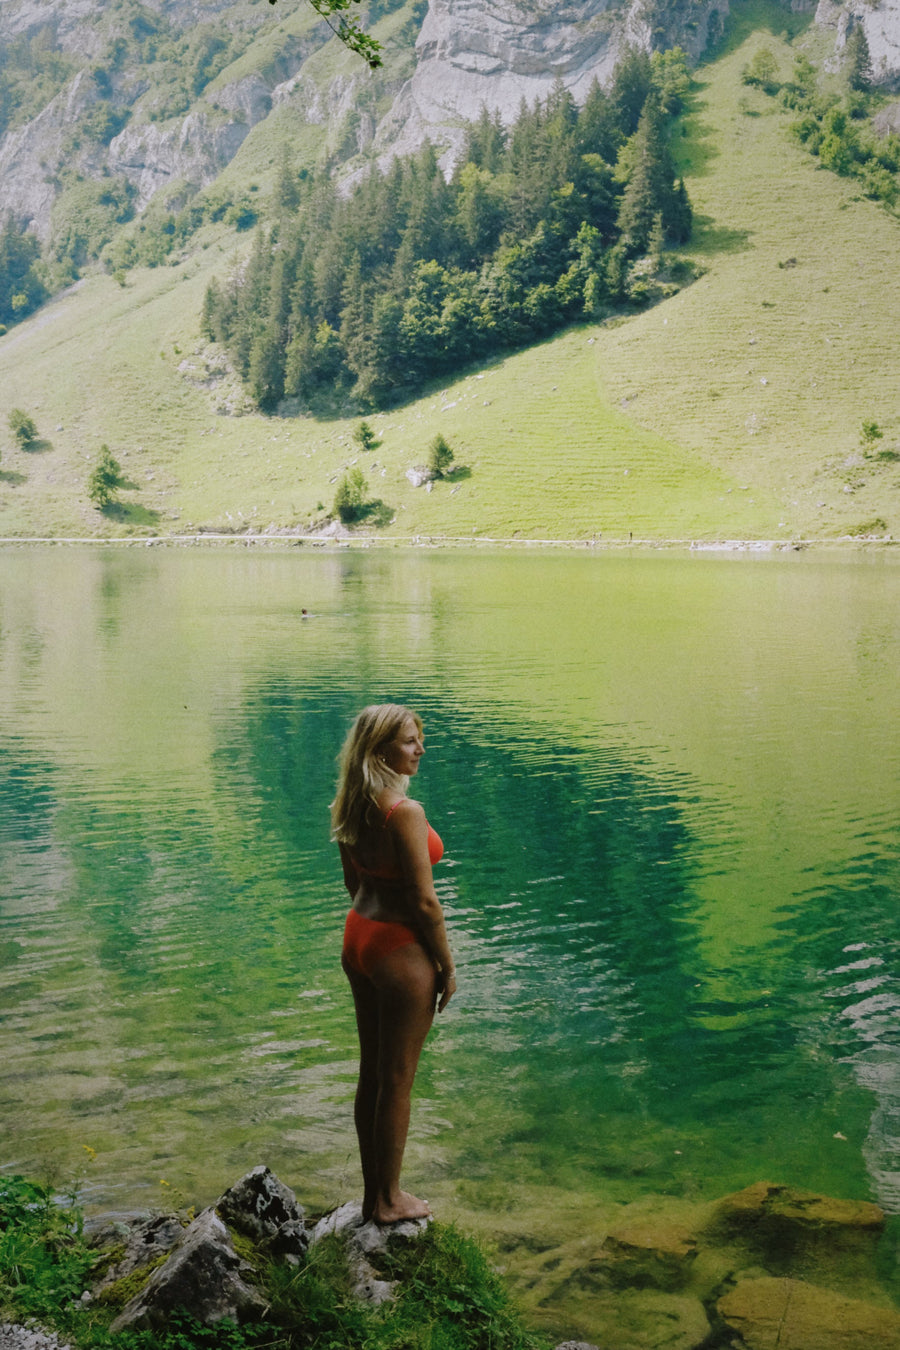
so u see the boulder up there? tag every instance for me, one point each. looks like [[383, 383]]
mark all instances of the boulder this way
[[203, 1275], [266, 1211], [778, 1314]]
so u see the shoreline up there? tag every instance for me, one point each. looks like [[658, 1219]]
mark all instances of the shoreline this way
[[842, 543]]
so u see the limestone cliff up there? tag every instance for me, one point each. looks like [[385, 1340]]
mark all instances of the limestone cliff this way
[[468, 54]]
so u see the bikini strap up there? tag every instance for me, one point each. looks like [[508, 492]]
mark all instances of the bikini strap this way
[[391, 812]]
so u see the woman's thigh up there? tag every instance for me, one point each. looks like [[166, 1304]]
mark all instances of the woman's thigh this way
[[405, 982]]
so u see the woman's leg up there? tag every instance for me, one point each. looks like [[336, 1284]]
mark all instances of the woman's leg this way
[[365, 999], [404, 982]]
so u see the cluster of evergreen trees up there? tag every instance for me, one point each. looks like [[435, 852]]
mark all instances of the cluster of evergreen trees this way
[[21, 286], [410, 275], [837, 128]]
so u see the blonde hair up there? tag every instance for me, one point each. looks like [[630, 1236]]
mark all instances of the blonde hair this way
[[363, 776]]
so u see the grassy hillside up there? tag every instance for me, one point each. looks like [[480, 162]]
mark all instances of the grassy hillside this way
[[732, 410]]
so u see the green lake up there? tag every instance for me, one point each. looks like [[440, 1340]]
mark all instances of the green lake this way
[[669, 789]]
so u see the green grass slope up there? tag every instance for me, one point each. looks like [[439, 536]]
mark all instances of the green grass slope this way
[[730, 411]]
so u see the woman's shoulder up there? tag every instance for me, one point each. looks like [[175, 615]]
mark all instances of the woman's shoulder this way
[[404, 809]]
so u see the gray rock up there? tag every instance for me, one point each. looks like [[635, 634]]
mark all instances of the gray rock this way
[[203, 1275], [15, 1336], [419, 476], [145, 1241], [364, 1240], [266, 1211]]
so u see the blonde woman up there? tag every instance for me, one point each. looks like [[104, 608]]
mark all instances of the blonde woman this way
[[396, 955]]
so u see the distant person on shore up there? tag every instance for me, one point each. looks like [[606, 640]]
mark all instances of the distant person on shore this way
[[396, 955]]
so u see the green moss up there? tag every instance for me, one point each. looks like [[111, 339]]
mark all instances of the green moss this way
[[122, 1291]]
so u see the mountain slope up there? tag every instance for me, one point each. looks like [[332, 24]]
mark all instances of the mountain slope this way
[[729, 411]]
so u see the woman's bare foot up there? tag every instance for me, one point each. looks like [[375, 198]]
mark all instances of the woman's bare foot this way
[[405, 1206]]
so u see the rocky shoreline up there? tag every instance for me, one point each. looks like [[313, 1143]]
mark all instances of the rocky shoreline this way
[[770, 1267]]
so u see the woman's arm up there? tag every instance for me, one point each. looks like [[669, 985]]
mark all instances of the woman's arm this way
[[410, 830], [351, 876]]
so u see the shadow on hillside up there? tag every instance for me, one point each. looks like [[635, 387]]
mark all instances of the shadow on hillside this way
[[696, 147], [709, 237], [12, 477], [457, 474], [130, 513], [38, 446], [376, 513]]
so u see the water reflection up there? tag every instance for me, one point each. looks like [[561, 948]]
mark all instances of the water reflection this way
[[670, 866]]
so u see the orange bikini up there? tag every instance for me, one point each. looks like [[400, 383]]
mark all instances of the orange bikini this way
[[369, 941]]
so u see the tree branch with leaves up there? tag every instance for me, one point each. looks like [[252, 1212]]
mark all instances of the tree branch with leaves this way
[[347, 28]]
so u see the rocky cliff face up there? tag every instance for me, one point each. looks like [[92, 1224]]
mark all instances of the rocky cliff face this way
[[881, 25], [469, 54], [495, 53]]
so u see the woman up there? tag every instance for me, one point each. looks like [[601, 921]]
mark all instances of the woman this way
[[396, 954]]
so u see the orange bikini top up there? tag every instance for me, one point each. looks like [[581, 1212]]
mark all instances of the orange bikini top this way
[[435, 852]]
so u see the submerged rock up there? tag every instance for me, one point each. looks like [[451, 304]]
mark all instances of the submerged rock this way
[[779, 1314], [795, 1232], [639, 1320], [644, 1256]]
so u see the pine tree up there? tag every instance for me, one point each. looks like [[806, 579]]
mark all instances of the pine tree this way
[[286, 197], [440, 457], [105, 479], [858, 59], [632, 82]]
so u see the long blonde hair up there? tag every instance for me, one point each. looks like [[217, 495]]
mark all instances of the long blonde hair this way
[[363, 776]]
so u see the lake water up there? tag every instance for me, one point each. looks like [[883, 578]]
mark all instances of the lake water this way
[[668, 786]]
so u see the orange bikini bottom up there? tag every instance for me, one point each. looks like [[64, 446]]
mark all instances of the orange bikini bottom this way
[[368, 941]]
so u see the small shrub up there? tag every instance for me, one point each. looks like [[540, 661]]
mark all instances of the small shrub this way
[[44, 1261], [869, 433], [365, 437], [762, 71], [874, 526], [23, 429]]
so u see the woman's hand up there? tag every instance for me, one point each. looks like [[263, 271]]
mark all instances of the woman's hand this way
[[446, 984]]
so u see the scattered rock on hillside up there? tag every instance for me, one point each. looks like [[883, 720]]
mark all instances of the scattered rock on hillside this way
[[780, 1314]]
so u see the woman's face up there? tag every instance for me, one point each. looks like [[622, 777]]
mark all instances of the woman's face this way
[[403, 753]]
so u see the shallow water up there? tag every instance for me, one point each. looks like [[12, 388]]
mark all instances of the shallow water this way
[[668, 788]]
